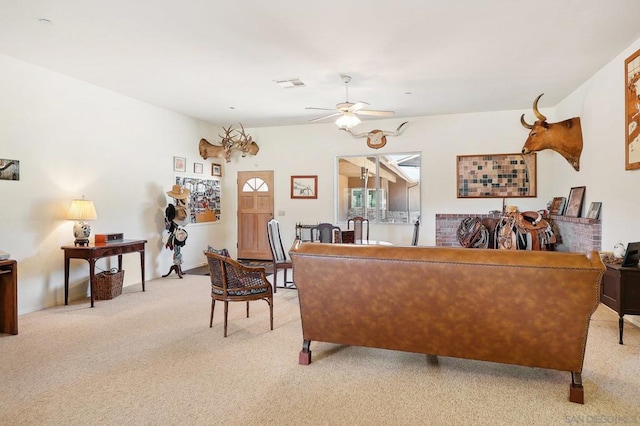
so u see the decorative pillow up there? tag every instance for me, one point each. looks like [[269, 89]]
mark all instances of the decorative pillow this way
[[221, 252]]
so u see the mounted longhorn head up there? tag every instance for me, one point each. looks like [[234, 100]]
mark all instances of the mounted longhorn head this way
[[564, 137], [376, 138]]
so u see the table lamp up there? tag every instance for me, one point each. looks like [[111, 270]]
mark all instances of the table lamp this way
[[81, 210]]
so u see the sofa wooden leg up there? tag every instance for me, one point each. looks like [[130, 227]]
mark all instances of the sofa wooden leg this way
[[305, 353], [432, 360], [576, 391]]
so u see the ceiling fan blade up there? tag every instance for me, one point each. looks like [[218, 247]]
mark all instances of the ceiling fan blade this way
[[321, 109], [357, 106], [374, 112], [326, 116]]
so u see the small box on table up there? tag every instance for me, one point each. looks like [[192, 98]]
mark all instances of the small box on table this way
[[105, 238]]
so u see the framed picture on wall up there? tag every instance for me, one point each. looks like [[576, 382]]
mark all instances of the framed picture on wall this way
[[9, 169], [632, 107], [197, 168], [496, 176], [576, 198], [179, 164], [216, 170], [304, 186]]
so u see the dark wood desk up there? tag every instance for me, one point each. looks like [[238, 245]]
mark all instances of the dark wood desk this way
[[620, 290], [94, 252], [9, 296]]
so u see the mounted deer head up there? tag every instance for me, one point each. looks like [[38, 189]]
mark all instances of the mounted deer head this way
[[229, 143]]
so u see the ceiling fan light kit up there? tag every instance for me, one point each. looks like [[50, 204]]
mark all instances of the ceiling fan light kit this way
[[347, 121], [348, 112]]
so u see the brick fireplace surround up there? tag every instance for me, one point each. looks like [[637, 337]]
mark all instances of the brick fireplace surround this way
[[574, 234]]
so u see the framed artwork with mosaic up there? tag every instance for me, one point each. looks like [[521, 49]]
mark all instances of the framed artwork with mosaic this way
[[204, 198], [496, 176], [632, 111]]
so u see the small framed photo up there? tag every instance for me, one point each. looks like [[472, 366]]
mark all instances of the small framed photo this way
[[557, 206], [216, 170], [594, 210], [9, 169], [576, 198], [179, 164], [197, 168], [304, 186]]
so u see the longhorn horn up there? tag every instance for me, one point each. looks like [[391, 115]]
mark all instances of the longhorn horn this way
[[355, 135], [535, 109], [400, 127], [524, 123]]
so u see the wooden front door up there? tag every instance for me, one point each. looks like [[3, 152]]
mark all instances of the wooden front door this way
[[255, 209]]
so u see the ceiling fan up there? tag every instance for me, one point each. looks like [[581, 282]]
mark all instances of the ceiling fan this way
[[348, 112]]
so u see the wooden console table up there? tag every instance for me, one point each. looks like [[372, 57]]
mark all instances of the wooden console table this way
[[620, 290], [9, 296], [94, 252]]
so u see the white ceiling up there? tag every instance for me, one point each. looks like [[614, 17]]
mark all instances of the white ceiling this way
[[202, 57]]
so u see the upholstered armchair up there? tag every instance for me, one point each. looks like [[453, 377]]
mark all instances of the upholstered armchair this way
[[234, 282], [278, 255]]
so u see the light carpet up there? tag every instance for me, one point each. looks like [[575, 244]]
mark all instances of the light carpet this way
[[150, 358]]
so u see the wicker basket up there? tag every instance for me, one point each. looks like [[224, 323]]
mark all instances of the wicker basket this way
[[108, 285]]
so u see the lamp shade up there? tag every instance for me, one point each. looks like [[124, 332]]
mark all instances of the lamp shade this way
[[82, 210], [347, 120]]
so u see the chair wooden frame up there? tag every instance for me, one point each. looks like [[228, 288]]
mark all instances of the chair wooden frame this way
[[326, 233], [416, 232], [234, 282], [359, 225], [278, 255]]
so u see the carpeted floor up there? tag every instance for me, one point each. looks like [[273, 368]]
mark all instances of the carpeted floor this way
[[150, 358]]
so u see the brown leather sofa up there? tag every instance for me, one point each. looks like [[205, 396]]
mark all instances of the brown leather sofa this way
[[527, 308]]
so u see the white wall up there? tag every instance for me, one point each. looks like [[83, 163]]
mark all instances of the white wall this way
[[312, 149], [600, 104], [73, 138]]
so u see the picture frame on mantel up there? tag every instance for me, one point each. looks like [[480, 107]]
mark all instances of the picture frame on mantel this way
[[632, 111], [574, 204], [557, 206], [594, 210]]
